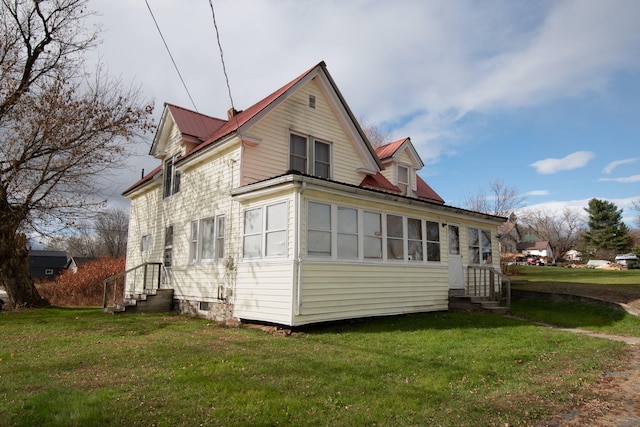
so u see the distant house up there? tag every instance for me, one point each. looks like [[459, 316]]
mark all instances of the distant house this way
[[285, 213], [573, 255], [47, 264], [508, 236], [540, 248]]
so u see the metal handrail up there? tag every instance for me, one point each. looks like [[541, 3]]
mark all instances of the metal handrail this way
[[115, 278], [486, 281]]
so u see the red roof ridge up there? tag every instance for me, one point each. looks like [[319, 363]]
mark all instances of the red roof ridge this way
[[388, 150]]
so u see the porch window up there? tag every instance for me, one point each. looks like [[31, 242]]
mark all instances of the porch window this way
[[414, 239], [319, 229], [395, 237], [171, 178], [252, 242], [265, 231], [403, 179], [347, 232], [276, 230], [372, 223], [433, 241], [479, 246], [168, 246]]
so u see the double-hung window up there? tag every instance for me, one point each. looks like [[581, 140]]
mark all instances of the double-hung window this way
[[265, 231], [308, 155], [168, 246], [145, 243], [207, 239], [171, 178], [479, 242]]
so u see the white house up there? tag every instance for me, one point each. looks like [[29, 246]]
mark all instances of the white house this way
[[285, 213]]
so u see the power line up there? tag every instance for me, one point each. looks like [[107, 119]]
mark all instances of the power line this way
[[171, 56], [224, 68]]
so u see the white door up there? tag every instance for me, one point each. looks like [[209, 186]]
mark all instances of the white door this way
[[456, 276]]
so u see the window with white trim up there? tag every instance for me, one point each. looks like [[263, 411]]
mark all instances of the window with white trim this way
[[207, 239], [265, 231], [309, 155], [403, 179], [171, 178], [479, 242], [168, 246], [145, 243]]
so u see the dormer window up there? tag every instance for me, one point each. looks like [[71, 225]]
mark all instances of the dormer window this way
[[403, 179], [171, 178]]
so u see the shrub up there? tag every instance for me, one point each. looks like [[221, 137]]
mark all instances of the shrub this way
[[83, 288]]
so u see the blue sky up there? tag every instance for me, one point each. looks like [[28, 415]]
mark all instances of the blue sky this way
[[544, 95]]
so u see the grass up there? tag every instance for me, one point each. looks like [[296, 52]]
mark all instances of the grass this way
[[625, 278], [76, 367]]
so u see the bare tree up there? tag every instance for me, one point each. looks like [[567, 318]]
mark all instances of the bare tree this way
[[111, 228], [60, 128], [563, 231], [499, 200], [377, 137]]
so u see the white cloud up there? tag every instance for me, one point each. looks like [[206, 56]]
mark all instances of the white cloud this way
[[575, 160], [625, 180], [611, 166], [537, 193]]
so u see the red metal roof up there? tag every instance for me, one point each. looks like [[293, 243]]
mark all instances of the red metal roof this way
[[379, 182], [424, 191], [193, 123], [388, 150]]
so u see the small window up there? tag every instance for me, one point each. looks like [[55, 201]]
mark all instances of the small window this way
[[48, 272], [204, 306], [312, 101], [220, 238]]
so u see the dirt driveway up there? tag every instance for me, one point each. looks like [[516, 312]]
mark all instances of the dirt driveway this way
[[617, 393]]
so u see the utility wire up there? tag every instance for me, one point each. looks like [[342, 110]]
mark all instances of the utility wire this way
[[171, 56], [224, 68]]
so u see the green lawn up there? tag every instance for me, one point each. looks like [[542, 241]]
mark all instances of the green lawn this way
[[80, 367]]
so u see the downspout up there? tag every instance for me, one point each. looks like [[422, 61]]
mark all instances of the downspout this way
[[298, 261]]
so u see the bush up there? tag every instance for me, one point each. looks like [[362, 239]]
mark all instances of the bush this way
[[83, 288]]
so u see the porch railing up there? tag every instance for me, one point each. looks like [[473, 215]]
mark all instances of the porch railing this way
[[144, 276], [487, 282]]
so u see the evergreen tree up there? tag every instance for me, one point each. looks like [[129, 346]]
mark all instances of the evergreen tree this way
[[607, 234]]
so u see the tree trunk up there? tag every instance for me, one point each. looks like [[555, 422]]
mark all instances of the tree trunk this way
[[14, 272]]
